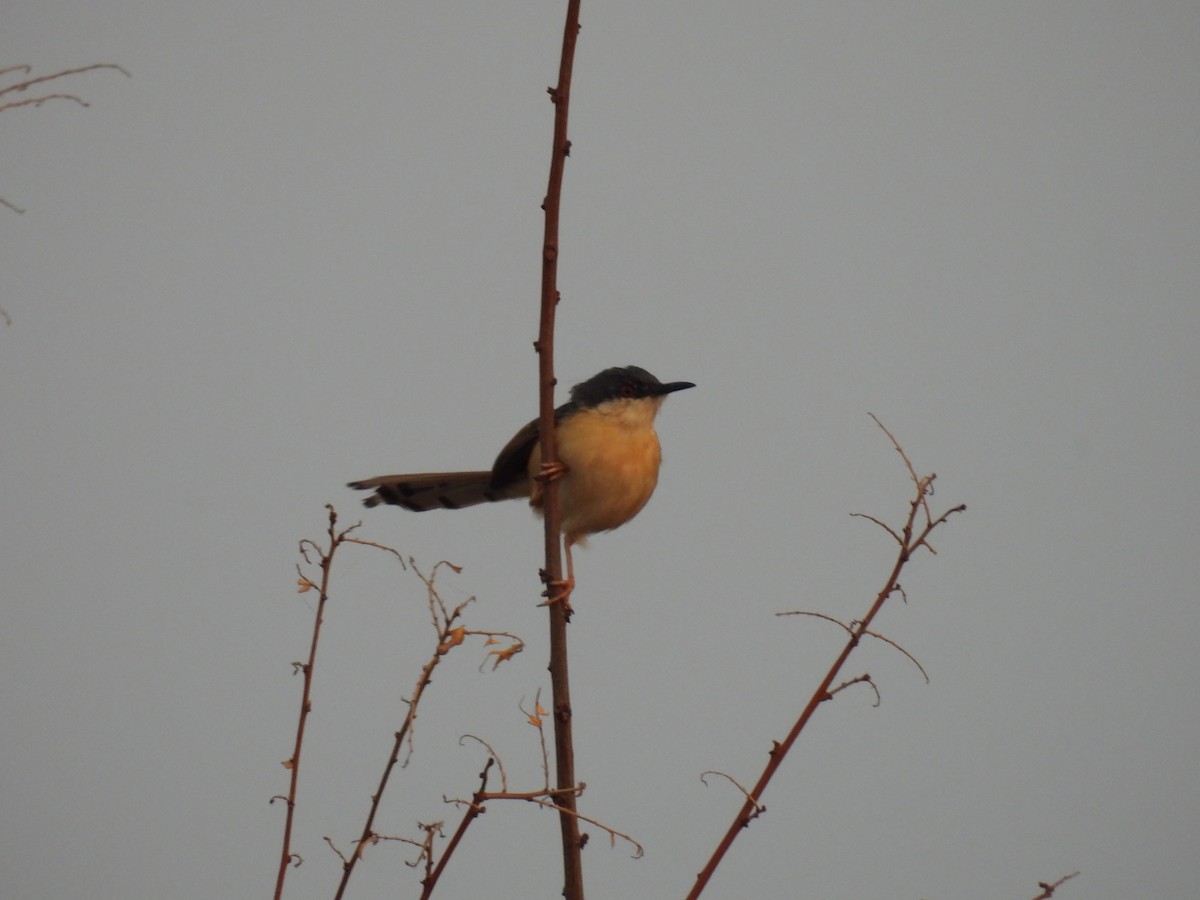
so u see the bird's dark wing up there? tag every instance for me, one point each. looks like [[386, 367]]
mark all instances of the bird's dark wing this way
[[512, 463]]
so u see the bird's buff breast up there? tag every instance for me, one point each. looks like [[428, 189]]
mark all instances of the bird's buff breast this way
[[612, 469]]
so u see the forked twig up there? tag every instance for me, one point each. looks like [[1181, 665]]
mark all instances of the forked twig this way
[[25, 85], [1048, 888], [552, 799], [336, 538], [43, 98], [537, 720], [474, 809], [492, 754], [909, 538], [759, 808], [449, 635], [849, 630]]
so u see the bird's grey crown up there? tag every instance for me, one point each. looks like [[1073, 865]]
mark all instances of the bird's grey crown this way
[[630, 381]]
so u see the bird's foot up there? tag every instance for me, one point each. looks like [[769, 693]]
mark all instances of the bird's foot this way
[[552, 471], [557, 591]]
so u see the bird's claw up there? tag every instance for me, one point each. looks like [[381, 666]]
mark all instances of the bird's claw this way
[[551, 471], [558, 591]]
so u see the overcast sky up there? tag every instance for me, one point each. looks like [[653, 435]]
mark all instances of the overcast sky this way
[[301, 245]]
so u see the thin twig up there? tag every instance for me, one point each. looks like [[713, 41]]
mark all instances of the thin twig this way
[[864, 678], [850, 631], [911, 658], [1048, 889], [474, 810], [759, 809], [44, 98], [25, 85], [449, 635], [491, 754], [909, 539], [551, 799], [307, 668], [536, 719]]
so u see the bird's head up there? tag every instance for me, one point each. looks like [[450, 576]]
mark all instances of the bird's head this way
[[628, 383]]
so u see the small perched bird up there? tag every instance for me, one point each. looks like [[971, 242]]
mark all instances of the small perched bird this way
[[608, 462]]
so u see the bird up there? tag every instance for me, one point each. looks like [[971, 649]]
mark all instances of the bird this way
[[608, 453]]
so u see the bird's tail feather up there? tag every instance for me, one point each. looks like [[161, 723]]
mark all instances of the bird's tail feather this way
[[437, 490]]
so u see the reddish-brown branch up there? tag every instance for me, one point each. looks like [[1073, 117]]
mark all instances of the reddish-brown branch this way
[[38, 101], [449, 636], [474, 809], [293, 764], [25, 85], [1048, 888], [910, 538], [564, 753]]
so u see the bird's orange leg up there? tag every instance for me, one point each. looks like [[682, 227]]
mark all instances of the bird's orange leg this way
[[560, 591]]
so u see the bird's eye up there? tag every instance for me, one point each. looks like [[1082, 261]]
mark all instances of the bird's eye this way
[[628, 390]]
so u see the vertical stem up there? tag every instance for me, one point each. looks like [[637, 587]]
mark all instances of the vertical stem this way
[[564, 754], [285, 858]]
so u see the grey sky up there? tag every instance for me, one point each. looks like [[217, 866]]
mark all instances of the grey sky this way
[[300, 246]]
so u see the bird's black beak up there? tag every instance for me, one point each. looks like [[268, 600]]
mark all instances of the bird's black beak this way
[[672, 387]]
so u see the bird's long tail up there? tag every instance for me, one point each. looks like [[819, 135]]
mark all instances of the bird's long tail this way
[[437, 490]]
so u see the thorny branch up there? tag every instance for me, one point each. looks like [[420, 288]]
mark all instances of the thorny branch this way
[[325, 564], [545, 797], [449, 635], [910, 538], [39, 100], [560, 683], [1048, 889]]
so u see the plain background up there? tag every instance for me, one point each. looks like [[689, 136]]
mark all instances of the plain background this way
[[301, 245]]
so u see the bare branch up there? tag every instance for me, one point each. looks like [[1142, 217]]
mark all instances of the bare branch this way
[[25, 85], [864, 678], [333, 847], [1048, 889], [759, 808], [817, 615], [38, 101], [474, 809], [307, 669], [559, 612], [448, 635], [899, 540], [922, 487], [45, 98], [912, 659], [908, 543], [493, 754]]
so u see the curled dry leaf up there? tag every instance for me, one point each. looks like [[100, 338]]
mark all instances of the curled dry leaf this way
[[505, 654]]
